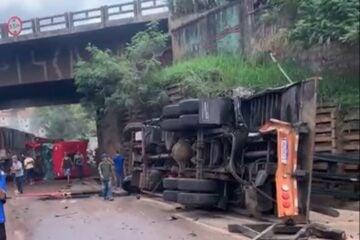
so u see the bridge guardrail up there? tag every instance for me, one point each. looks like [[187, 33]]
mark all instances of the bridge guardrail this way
[[102, 16]]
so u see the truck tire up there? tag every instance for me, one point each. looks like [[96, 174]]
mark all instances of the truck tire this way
[[171, 111], [170, 183], [171, 195], [197, 185], [171, 125], [189, 106], [189, 121], [198, 199]]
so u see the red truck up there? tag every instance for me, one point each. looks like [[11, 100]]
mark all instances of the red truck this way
[[51, 153]]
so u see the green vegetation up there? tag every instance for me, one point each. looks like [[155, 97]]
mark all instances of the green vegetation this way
[[318, 21], [184, 7], [122, 82], [65, 122], [340, 91], [136, 81], [210, 75]]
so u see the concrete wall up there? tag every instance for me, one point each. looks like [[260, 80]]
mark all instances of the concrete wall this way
[[215, 31], [237, 28]]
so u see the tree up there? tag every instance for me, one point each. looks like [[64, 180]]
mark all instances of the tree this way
[[65, 122], [318, 21], [123, 82]]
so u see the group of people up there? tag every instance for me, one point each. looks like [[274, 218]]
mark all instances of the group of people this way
[[22, 171], [110, 169], [67, 165]]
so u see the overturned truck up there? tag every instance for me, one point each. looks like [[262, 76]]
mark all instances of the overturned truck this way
[[252, 152]]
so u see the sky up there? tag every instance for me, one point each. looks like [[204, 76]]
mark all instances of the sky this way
[[27, 9]]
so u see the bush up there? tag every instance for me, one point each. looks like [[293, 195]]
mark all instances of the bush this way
[[210, 75], [318, 21], [180, 8], [340, 91], [126, 82]]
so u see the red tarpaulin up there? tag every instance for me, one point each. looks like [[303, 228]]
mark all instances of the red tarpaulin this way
[[69, 147]]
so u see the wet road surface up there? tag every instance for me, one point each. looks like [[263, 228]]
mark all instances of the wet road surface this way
[[94, 219]]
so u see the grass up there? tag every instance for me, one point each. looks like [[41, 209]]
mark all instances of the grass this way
[[210, 75], [341, 91]]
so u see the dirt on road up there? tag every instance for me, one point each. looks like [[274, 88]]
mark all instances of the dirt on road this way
[[95, 219]]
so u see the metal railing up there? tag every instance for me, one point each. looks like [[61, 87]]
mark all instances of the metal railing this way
[[102, 16]]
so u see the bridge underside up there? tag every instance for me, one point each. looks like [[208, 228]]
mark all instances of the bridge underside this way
[[39, 94], [41, 72]]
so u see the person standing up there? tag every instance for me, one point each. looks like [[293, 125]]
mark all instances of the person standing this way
[[17, 169], [66, 166], [106, 172], [2, 202], [119, 168], [29, 164], [79, 164]]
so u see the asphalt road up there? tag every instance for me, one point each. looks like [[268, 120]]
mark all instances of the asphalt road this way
[[94, 219], [128, 218]]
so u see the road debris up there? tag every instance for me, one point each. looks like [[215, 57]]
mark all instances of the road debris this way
[[292, 232], [172, 218], [65, 215], [192, 234]]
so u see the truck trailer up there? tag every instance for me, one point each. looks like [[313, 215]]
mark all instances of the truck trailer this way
[[253, 152]]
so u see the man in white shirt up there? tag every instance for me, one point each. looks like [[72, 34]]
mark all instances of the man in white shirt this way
[[29, 164], [17, 169]]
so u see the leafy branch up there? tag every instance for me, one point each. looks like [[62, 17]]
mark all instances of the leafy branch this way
[[125, 82]]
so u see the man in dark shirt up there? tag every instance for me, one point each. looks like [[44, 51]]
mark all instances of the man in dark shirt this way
[[119, 168], [79, 163], [66, 165], [106, 172]]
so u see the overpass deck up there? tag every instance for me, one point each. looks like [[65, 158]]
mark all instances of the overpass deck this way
[[134, 11]]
